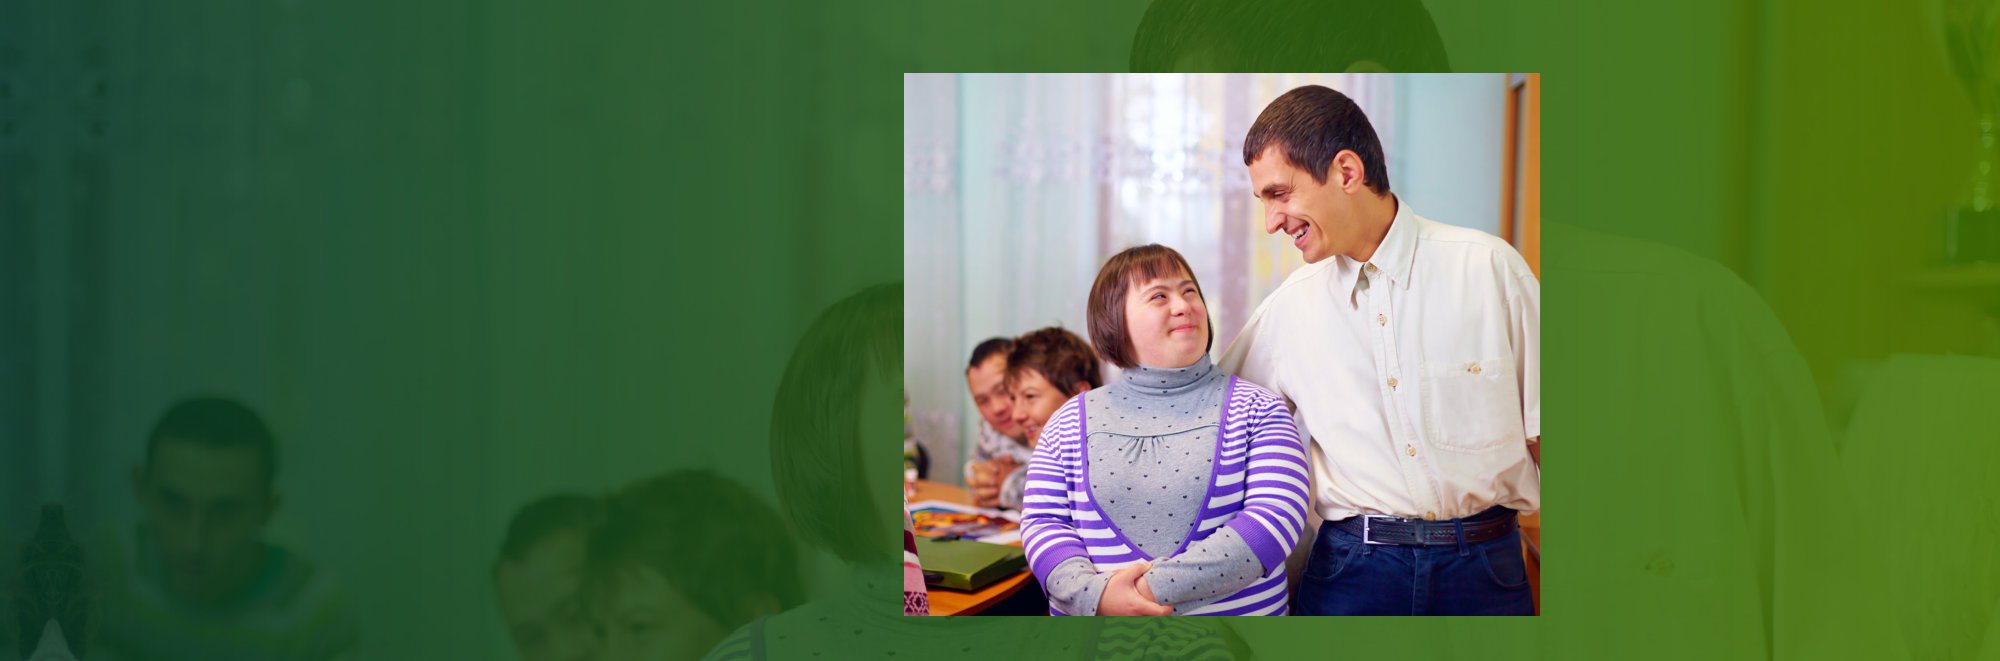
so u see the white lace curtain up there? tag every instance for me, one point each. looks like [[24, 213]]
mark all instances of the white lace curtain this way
[[1017, 187]]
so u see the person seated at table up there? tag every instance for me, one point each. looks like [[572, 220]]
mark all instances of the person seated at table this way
[[994, 474], [1175, 489], [1045, 368], [680, 560]]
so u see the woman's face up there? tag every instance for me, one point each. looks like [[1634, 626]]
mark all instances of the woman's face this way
[[646, 619], [1167, 321], [1035, 399]]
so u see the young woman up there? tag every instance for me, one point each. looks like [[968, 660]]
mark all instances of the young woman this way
[[1045, 368], [1174, 489]]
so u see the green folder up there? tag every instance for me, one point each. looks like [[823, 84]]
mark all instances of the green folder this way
[[967, 565]]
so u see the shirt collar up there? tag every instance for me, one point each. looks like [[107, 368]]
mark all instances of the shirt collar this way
[[1391, 259]]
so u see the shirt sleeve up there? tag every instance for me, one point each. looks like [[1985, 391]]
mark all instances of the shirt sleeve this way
[[1274, 499], [1047, 533], [1012, 488], [1218, 565], [1524, 311], [1075, 586]]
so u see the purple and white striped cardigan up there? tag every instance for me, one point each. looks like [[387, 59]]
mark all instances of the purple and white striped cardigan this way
[[1258, 489]]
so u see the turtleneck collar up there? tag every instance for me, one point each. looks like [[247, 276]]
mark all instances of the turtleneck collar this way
[[1169, 381]]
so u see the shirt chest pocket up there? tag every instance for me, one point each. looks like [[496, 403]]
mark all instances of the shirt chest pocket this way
[[1472, 405]]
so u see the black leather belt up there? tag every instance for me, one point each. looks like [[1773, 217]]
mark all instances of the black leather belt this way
[[1376, 529]]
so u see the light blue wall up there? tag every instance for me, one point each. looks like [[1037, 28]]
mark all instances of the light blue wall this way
[[1445, 155]]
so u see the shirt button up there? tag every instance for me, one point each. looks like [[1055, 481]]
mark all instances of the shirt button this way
[[1410, 450], [1381, 319], [1474, 368], [1392, 383], [1371, 268], [1430, 516]]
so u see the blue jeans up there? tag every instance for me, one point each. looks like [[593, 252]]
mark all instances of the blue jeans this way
[[1346, 577]]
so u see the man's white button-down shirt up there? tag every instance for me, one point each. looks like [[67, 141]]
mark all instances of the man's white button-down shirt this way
[[1416, 374]]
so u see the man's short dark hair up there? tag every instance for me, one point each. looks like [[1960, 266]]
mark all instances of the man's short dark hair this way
[[993, 346], [1288, 35], [543, 518], [1312, 124], [219, 423]]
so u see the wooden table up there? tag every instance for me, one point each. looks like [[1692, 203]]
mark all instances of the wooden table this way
[[946, 601]]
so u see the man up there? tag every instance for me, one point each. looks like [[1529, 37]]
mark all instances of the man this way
[[1411, 350], [538, 577], [993, 474], [197, 581]]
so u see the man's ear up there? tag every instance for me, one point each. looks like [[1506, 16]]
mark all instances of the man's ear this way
[[1347, 172], [1079, 388]]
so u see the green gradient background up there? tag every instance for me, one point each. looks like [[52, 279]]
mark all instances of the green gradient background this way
[[463, 254]]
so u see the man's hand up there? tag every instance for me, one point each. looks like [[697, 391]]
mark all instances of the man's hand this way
[[1123, 596], [984, 485], [986, 479], [1003, 466]]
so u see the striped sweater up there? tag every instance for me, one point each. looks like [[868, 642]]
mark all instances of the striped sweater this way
[[1257, 489]]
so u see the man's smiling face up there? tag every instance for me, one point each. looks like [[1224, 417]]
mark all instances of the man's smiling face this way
[[1318, 217]]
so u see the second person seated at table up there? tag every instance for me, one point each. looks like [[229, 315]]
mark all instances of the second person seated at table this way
[[1045, 368], [996, 472]]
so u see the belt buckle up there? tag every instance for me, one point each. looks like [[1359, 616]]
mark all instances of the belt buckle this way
[[1366, 521]]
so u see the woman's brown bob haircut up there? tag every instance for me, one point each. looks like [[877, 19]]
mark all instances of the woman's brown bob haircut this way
[[1106, 307]]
